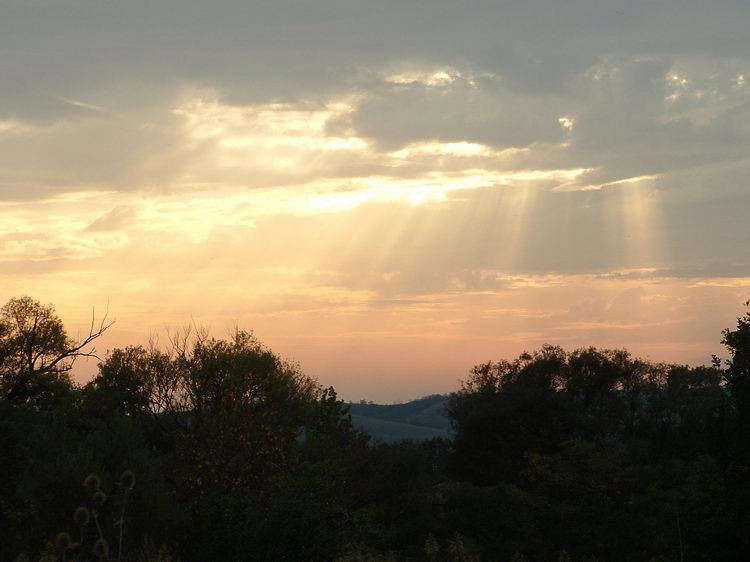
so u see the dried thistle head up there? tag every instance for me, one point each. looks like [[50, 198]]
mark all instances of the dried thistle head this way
[[81, 516], [127, 480], [63, 541], [431, 546], [75, 548], [92, 483], [101, 549], [99, 499]]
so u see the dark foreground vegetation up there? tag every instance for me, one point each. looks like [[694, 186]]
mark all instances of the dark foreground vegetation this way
[[219, 450]]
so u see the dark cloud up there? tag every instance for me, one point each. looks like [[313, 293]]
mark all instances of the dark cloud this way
[[291, 48], [465, 110]]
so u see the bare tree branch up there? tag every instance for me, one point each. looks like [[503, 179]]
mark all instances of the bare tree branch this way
[[76, 351]]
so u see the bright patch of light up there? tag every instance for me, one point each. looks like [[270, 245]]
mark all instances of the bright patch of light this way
[[635, 179], [679, 80], [250, 144], [566, 122], [679, 85], [595, 187], [433, 79], [434, 188], [267, 125], [444, 149], [13, 126]]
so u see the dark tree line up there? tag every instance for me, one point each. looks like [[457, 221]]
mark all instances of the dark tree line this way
[[234, 454]]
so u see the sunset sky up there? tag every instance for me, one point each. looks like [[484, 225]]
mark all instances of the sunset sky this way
[[386, 192]]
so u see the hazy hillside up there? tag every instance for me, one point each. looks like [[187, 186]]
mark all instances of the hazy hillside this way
[[417, 420]]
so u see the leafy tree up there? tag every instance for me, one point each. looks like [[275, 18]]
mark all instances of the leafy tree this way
[[36, 353], [139, 382], [737, 377], [251, 436], [243, 409], [504, 409]]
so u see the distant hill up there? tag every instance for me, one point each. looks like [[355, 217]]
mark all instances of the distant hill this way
[[417, 420]]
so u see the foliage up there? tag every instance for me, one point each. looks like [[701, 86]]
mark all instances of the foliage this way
[[556, 456], [36, 353]]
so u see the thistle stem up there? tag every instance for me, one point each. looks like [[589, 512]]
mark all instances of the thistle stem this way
[[122, 524], [98, 527]]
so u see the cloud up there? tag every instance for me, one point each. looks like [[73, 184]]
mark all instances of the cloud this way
[[503, 172], [468, 109], [118, 218], [124, 152], [619, 90]]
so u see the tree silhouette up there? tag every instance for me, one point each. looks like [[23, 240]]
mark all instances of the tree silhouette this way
[[36, 352], [737, 377]]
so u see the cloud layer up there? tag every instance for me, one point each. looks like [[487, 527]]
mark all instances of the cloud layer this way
[[405, 173]]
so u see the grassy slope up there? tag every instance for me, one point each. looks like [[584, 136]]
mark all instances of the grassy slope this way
[[417, 420]]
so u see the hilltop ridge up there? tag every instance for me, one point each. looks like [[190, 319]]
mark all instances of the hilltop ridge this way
[[417, 420]]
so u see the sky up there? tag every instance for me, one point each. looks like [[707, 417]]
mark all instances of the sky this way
[[386, 192]]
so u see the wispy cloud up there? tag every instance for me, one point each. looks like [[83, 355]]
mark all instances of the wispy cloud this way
[[83, 105], [492, 175]]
